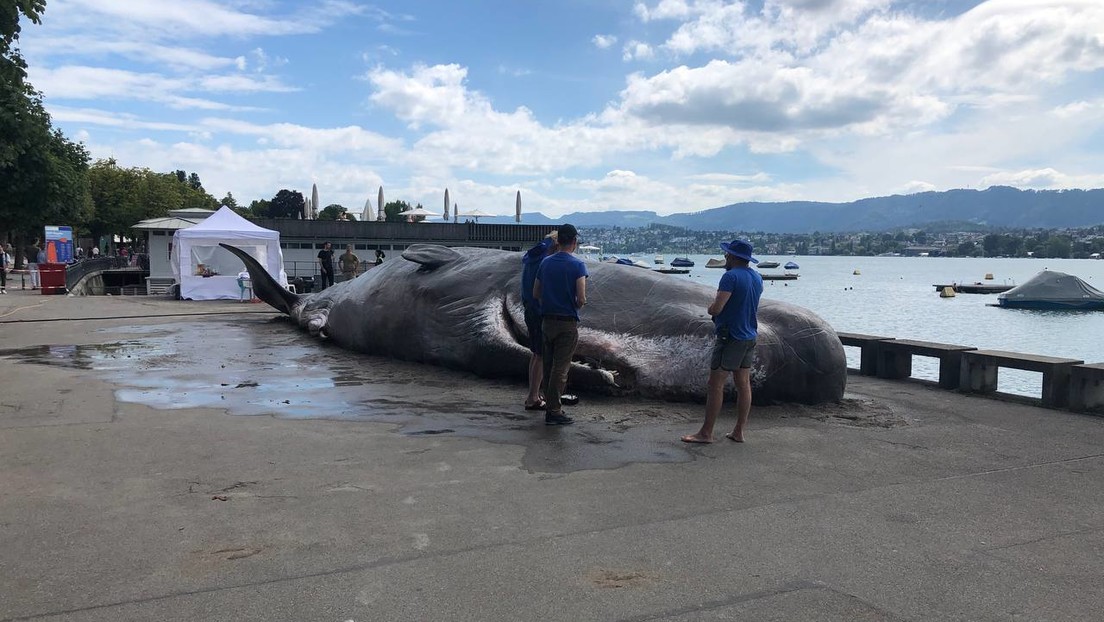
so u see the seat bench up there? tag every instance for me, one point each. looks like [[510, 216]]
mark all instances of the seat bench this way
[[1087, 388], [868, 350], [979, 373], [895, 359]]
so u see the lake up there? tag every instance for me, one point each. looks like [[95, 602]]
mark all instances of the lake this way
[[895, 297]]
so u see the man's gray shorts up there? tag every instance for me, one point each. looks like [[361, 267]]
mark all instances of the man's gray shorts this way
[[731, 354]]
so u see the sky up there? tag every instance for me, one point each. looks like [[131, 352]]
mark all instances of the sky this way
[[582, 105]]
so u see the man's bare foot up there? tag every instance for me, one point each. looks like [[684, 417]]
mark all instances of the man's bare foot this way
[[736, 438], [697, 438]]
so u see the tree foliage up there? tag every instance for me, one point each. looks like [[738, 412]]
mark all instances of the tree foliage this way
[[286, 204], [122, 197], [259, 208], [41, 172], [334, 211], [392, 209]]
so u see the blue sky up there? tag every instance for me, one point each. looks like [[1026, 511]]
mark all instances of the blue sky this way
[[583, 105]]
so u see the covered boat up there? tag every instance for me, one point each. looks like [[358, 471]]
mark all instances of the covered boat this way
[[769, 264], [682, 262], [791, 266], [1053, 290], [715, 263]]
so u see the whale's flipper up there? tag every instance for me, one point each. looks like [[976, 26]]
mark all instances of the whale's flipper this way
[[430, 256], [264, 286]]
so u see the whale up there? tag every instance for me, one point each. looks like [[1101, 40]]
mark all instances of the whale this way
[[640, 333]]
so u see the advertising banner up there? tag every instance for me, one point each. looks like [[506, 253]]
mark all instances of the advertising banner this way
[[59, 244]]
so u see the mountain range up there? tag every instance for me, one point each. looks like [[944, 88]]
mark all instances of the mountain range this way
[[997, 207]]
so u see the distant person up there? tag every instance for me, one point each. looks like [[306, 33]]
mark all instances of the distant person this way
[[531, 261], [325, 265], [349, 264], [734, 311], [5, 267], [30, 255], [80, 252], [95, 252], [379, 256], [560, 289]]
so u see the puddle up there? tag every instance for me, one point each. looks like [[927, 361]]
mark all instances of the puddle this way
[[253, 367]]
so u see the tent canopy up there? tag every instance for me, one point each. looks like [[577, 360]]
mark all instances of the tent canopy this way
[[206, 271]]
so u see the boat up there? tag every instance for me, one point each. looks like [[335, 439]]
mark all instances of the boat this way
[[672, 270], [1052, 290], [974, 288], [715, 263], [682, 262], [791, 266], [659, 260], [769, 264], [789, 276]]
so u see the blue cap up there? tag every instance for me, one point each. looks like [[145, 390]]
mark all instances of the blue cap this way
[[739, 248]]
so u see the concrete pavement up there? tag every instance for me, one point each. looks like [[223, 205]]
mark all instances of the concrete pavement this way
[[261, 475]]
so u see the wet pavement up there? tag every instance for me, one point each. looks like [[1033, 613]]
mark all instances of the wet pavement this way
[[182, 461]]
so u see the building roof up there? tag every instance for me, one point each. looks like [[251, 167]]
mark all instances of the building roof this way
[[166, 223], [177, 219]]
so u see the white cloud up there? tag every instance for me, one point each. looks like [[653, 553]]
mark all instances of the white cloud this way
[[97, 83], [665, 9], [728, 178], [637, 50], [604, 41]]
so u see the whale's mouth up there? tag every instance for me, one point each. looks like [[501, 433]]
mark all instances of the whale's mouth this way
[[610, 370]]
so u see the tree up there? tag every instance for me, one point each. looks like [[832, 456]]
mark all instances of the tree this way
[[286, 204], [332, 211], [122, 197], [230, 201], [43, 175], [1058, 246], [392, 210], [966, 249], [194, 183], [259, 208]]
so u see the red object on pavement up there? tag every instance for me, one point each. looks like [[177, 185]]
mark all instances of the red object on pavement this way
[[52, 278]]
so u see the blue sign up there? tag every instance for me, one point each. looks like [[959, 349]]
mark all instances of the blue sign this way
[[59, 244]]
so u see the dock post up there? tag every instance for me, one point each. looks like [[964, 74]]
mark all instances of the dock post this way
[[1086, 388], [978, 375]]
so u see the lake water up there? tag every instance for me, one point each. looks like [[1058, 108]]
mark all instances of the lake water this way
[[895, 297]]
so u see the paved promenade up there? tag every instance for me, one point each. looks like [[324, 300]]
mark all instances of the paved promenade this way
[[164, 460]]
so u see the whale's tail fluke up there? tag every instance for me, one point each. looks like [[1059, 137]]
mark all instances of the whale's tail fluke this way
[[264, 286]]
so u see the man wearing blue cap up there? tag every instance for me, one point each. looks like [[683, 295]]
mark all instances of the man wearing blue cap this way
[[734, 314]]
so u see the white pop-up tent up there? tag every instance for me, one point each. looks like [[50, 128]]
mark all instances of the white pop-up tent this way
[[206, 271]]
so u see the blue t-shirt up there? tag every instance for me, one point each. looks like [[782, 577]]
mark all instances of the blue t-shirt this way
[[738, 314], [557, 274], [531, 260]]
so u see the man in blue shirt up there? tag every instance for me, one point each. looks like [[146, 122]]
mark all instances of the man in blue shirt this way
[[734, 312], [560, 288], [531, 261]]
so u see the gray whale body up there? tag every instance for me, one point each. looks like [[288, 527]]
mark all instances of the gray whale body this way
[[641, 333]]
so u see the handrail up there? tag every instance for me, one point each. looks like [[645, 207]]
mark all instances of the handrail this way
[[81, 268]]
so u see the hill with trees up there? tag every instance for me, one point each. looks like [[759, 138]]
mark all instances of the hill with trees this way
[[995, 207]]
